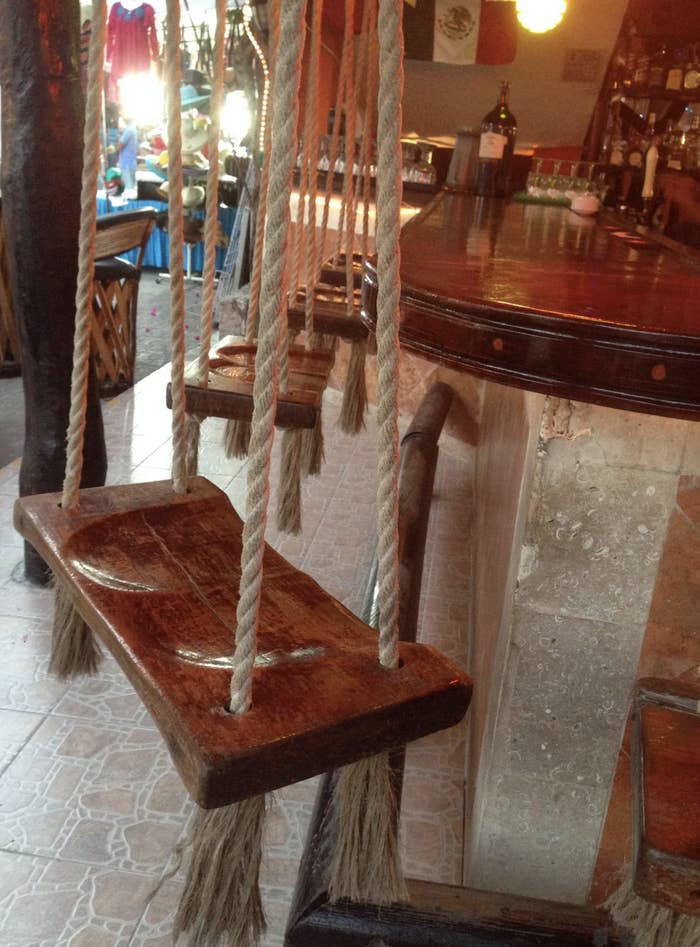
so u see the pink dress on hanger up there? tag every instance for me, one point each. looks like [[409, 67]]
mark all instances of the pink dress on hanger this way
[[132, 43]]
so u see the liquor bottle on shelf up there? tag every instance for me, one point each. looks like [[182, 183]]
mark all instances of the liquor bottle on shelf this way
[[496, 144], [674, 77], [658, 70], [691, 79]]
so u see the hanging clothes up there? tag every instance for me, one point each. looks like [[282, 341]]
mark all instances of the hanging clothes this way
[[132, 43]]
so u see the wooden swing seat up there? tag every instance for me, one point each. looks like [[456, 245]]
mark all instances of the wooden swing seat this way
[[333, 273], [666, 775], [232, 375], [155, 575], [331, 315]]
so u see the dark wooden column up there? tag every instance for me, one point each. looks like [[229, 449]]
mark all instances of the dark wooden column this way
[[42, 123]]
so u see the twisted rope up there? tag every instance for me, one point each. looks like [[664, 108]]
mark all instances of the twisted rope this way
[[212, 206], [176, 238], [332, 158], [256, 275], [389, 290], [266, 134], [350, 238], [367, 137], [282, 312], [299, 223], [311, 134], [348, 179], [86, 258], [285, 111]]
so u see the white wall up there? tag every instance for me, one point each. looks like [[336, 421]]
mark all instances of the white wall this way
[[440, 98]]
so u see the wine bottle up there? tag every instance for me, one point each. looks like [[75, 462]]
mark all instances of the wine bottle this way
[[496, 145]]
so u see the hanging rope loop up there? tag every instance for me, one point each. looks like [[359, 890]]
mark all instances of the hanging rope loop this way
[[173, 76], [86, 257], [389, 290], [285, 112]]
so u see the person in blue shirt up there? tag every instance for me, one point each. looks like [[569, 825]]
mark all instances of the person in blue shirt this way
[[128, 147]]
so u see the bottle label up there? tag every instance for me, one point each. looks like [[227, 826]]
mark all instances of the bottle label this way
[[492, 145], [692, 79], [674, 79]]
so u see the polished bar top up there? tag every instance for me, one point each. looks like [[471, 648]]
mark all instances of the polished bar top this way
[[541, 298]]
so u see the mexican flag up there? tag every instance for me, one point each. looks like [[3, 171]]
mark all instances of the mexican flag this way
[[461, 32]]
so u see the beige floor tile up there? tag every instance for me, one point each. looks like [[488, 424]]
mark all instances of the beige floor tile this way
[[45, 903], [84, 791]]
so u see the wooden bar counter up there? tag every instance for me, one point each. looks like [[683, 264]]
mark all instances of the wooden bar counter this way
[[541, 298], [582, 340]]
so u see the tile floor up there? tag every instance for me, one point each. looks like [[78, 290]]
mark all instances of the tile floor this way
[[90, 805]]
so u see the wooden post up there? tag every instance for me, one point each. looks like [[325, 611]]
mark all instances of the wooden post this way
[[42, 135]]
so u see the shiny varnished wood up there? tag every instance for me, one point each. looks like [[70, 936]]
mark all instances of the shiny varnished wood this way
[[666, 779], [229, 393], [156, 576], [331, 315], [543, 299]]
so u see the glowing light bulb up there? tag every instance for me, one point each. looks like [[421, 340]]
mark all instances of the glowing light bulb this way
[[235, 116], [539, 16], [141, 97]]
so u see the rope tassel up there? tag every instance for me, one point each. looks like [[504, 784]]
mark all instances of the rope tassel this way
[[312, 449], [366, 864], [236, 439], [352, 412], [289, 496], [652, 925], [74, 650], [221, 903]]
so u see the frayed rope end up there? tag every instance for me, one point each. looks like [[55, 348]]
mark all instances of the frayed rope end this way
[[74, 650], [366, 865]]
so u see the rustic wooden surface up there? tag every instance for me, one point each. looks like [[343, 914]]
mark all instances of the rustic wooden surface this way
[[543, 299], [116, 293], [331, 315], [9, 340], [666, 778], [156, 575], [42, 125], [229, 393]]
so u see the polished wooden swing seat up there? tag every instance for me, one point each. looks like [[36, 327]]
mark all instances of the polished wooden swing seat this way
[[156, 574], [229, 393], [331, 316], [666, 779]]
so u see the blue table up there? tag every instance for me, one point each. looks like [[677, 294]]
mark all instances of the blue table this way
[[157, 254]]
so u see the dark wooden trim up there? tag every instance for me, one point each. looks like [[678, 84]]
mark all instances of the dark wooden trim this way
[[474, 324]]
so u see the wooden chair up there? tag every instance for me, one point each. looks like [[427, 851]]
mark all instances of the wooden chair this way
[[666, 780], [9, 341], [116, 286]]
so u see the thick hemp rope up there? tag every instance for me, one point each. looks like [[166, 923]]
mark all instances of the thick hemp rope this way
[[221, 900], [370, 107], [333, 153], [389, 191], [210, 232], [272, 325], [237, 431], [73, 647], [366, 864], [352, 412], [348, 173], [173, 76], [311, 134], [86, 257]]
